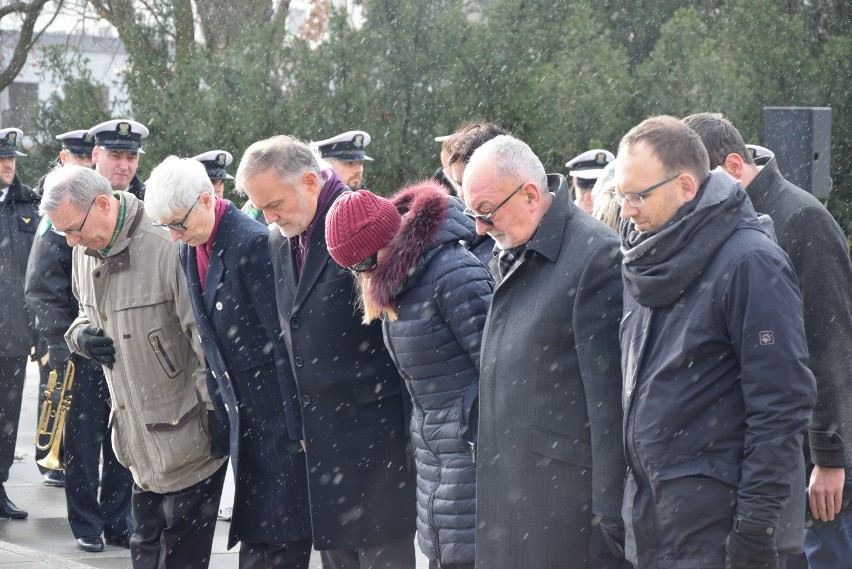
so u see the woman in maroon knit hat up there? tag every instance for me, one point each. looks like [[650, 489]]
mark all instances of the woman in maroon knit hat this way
[[432, 296]]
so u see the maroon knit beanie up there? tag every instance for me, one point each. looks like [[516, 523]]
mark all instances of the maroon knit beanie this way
[[358, 225]]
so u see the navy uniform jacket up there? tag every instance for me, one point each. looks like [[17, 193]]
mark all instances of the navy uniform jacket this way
[[249, 379], [362, 489], [18, 221]]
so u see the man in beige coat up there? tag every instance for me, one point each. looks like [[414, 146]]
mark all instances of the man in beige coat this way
[[136, 320]]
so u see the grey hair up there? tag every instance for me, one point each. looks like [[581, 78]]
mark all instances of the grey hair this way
[[75, 184], [289, 157], [175, 184], [510, 158]]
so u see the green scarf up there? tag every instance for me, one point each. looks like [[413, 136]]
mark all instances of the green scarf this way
[[118, 226]]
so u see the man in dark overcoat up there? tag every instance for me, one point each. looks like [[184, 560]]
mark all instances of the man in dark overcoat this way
[[225, 257], [18, 221], [820, 255], [550, 463], [359, 475]]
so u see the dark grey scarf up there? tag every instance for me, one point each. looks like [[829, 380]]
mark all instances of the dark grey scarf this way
[[659, 267]]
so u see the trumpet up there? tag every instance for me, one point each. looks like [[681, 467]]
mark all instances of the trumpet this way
[[54, 431]]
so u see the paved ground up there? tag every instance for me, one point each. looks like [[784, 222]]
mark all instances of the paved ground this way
[[44, 540]]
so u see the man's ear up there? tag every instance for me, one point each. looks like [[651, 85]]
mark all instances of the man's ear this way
[[733, 165], [95, 154], [313, 182], [688, 186]]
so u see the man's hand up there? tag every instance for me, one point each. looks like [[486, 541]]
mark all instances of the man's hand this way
[[220, 435], [95, 345], [58, 355], [612, 532], [825, 492], [750, 552]]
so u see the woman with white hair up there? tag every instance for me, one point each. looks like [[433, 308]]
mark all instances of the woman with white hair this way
[[225, 257]]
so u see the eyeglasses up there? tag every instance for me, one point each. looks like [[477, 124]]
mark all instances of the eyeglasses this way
[[367, 264], [637, 199], [179, 226], [78, 230], [486, 218]]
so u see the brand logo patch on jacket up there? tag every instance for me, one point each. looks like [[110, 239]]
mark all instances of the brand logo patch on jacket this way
[[767, 338]]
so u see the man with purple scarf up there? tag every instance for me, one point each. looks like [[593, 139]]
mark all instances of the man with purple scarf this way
[[353, 413]]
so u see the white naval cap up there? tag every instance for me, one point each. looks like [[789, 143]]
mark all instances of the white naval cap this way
[[78, 142], [120, 134], [215, 162], [760, 154], [9, 138], [590, 164], [347, 147]]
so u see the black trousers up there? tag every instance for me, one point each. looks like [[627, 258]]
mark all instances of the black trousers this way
[[12, 373], [398, 554], [175, 530], [87, 435], [296, 555]]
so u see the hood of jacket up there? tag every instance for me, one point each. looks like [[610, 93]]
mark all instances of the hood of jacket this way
[[430, 221], [660, 266]]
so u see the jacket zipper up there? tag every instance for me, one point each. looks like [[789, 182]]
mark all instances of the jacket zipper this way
[[431, 503], [161, 352]]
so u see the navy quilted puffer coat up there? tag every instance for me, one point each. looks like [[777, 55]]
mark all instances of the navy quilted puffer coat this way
[[441, 293]]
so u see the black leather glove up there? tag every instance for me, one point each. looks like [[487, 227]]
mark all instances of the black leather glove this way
[[612, 532], [58, 355], [220, 435], [750, 552], [95, 345]]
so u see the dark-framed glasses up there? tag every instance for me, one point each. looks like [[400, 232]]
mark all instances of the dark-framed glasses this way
[[79, 229], [179, 226], [486, 217], [367, 264], [637, 199]]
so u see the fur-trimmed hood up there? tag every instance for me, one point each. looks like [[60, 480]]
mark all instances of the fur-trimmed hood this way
[[429, 222]]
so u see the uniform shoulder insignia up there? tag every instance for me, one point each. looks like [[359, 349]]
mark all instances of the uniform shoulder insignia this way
[[26, 220], [44, 226]]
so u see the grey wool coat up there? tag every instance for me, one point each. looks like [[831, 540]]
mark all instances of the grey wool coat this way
[[550, 452]]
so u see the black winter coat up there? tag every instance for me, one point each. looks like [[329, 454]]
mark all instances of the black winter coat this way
[[18, 222], [250, 381], [361, 488], [442, 301], [716, 386]]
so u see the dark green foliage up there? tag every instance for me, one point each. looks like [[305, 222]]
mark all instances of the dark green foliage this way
[[563, 75]]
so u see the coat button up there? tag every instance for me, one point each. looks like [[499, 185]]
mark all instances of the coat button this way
[[103, 317], [306, 400], [295, 322], [144, 486], [174, 421], [299, 361], [97, 273], [121, 406], [218, 306]]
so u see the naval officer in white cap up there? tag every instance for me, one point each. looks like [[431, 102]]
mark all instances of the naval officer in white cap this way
[[77, 147], [118, 144], [345, 154], [584, 171], [215, 162]]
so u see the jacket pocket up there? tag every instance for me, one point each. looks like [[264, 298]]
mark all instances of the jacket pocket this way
[[671, 465], [369, 390], [179, 439], [163, 352], [561, 448]]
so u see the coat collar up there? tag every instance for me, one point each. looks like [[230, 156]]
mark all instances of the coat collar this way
[[216, 268], [547, 239], [317, 258]]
